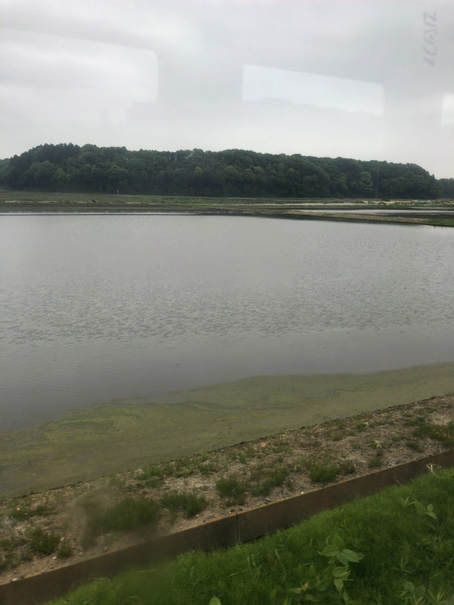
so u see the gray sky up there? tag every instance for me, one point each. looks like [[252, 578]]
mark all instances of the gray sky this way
[[367, 79]]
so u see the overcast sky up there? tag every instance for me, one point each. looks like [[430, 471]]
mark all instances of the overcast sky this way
[[366, 79]]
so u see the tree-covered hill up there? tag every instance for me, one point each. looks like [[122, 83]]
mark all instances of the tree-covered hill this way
[[446, 187], [234, 172]]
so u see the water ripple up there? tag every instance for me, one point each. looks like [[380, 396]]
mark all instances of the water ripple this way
[[80, 293]]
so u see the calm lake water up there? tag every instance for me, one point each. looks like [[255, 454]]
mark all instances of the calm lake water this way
[[112, 306]]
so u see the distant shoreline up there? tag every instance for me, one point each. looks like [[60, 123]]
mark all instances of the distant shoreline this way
[[289, 210]]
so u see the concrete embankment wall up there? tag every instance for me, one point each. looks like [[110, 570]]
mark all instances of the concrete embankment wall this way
[[218, 533]]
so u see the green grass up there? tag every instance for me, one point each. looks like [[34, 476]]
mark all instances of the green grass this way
[[152, 476], [442, 433], [414, 445], [347, 467], [8, 557], [323, 471], [269, 480], [188, 501], [406, 535], [182, 467], [42, 542], [361, 426], [207, 468], [338, 435], [65, 550], [397, 438], [25, 511], [233, 489], [155, 474], [441, 222], [376, 461], [126, 434], [126, 515]]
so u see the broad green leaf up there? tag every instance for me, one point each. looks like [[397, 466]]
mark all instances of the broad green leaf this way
[[430, 511], [341, 572], [342, 558], [420, 508], [354, 557], [323, 585], [297, 590], [311, 599], [338, 541], [339, 584], [329, 551], [215, 601]]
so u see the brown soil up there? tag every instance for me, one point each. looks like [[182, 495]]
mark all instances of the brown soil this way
[[355, 445]]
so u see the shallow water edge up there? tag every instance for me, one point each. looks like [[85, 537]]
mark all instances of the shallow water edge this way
[[128, 433]]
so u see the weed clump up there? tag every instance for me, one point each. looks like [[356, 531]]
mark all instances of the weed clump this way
[[7, 558], [274, 478], [442, 433], [361, 426], [155, 474], [232, 488], [279, 445], [323, 471], [415, 420], [377, 460], [207, 468], [64, 550], [347, 468], [43, 543], [182, 467], [414, 445], [21, 513], [188, 501], [152, 476], [128, 514], [338, 436]]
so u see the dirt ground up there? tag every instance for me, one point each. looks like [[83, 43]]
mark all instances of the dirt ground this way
[[43, 531]]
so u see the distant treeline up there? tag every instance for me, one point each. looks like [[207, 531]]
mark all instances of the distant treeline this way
[[446, 187], [234, 172]]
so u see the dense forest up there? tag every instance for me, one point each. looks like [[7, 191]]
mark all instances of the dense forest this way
[[446, 187], [234, 172]]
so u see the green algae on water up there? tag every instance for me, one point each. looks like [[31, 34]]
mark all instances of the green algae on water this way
[[125, 434]]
